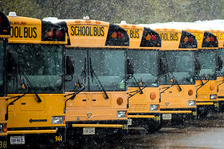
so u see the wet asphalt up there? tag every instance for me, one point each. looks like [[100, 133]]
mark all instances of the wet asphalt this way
[[207, 133]]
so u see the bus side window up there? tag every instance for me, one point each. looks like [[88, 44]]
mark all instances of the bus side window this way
[[69, 70]]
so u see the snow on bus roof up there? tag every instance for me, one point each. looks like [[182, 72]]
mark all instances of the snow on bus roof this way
[[197, 25]]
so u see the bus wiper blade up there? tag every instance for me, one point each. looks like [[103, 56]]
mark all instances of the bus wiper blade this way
[[136, 82], [176, 82], [165, 89], [31, 87], [92, 73], [73, 95], [136, 91], [12, 102]]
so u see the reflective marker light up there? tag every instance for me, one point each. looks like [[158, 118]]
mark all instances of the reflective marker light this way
[[154, 107], [191, 103], [213, 96], [57, 119], [121, 114]]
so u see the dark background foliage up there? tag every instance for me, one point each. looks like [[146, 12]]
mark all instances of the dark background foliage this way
[[132, 11]]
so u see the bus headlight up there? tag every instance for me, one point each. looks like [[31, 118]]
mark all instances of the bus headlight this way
[[154, 107], [191, 103], [213, 96], [1, 128], [121, 114], [57, 119]]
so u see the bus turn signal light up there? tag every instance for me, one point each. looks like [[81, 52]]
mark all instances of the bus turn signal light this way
[[5, 128], [190, 92], [119, 101], [153, 95]]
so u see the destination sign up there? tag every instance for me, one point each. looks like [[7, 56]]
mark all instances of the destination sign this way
[[133, 33], [23, 32], [95, 31], [169, 36]]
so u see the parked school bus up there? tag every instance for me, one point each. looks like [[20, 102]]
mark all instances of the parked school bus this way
[[206, 79], [220, 71], [96, 100], [35, 83], [176, 75], [4, 35], [143, 85]]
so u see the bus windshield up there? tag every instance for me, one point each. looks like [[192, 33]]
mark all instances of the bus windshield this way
[[1, 68], [221, 54], [207, 59], [145, 65], [97, 66], [40, 64], [179, 66]]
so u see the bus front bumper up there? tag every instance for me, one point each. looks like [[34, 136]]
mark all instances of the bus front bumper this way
[[23, 138]]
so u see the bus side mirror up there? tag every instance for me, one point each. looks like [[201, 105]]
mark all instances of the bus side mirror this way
[[130, 67], [69, 70], [219, 63]]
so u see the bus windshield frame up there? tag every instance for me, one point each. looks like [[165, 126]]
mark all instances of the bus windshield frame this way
[[95, 66], [146, 67], [177, 66], [208, 61], [41, 65]]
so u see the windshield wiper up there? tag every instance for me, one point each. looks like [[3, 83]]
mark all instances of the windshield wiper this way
[[31, 87], [79, 84], [93, 74], [137, 91]]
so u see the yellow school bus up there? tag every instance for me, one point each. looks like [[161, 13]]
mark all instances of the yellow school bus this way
[[4, 35], [176, 75], [206, 78], [96, 100], [35, 83], [220, 71], [143, 85]]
